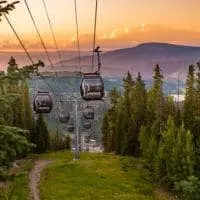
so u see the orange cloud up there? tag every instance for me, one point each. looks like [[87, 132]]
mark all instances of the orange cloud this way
[[116, 38]]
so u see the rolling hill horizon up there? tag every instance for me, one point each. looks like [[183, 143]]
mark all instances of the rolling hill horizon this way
[[142, 58]]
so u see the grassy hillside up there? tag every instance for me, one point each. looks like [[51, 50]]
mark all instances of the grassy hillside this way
[[16, 187], [95, 176]]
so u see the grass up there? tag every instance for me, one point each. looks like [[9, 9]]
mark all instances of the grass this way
[[95, 177], [16, 188]]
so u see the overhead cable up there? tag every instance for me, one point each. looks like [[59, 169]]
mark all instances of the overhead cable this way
[[52, 32], [39, 35]]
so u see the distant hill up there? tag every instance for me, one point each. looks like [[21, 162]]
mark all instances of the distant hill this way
[[22, 60], [142, 58]]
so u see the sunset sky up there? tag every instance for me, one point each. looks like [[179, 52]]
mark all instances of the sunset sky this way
[[121, 23]]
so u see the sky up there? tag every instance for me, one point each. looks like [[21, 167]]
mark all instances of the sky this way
[[121, 23]]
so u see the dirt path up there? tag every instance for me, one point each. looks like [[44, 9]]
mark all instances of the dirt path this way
[[34, 178]]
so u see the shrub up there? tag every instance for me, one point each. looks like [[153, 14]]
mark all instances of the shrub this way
[[189, 189], [13, 144]]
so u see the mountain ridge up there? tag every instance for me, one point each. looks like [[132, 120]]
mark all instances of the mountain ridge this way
[[172, 58]]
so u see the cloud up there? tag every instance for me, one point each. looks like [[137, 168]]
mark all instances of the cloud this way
[[150, 33], [73, 39], [113, 34], [116, 38], [126, 30]]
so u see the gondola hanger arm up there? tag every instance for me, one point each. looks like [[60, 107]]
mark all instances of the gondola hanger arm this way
[[98, 51]]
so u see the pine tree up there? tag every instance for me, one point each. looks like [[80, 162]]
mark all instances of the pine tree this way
[[198, 90], [189, 103], [155, 104], [152, 153], [12, 66], [68, 142], [138, 110], [196, 128], [33, 132], [12, 109], [105, 131], [112, 112], [17, 109], [120, 126], [196, 125], [127, 143], [28, 115], [144, 139], [41, 135], [164, 163], [125, 117], [175, 158], [109, 129], [183, 154], [189, 154]]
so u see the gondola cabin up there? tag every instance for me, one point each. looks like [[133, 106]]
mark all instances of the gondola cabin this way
[[64, 118], [88, 112], [92, 87], [43, 102], [87, 141], [87, 125], [71, 128], [87, 138]]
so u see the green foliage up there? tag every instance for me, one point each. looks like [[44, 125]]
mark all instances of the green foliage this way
[[27, 110], [189, 103], [144, 139], [148, 147], [109, 129], [122, 123], [189, 189], [13, 144], [15, 112], [68, 142], [167, 133], [5, 9], [60, 142], [17, 188], [41, 135], [156, 104], [175, 154]]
